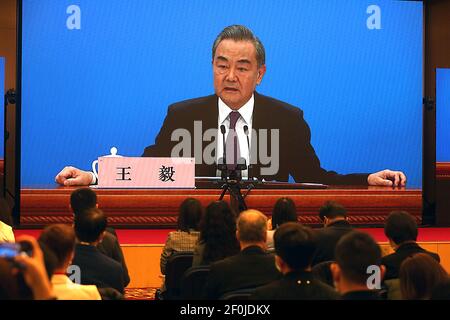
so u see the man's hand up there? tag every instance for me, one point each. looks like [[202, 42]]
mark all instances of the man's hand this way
[[387, 178], [71, 176]]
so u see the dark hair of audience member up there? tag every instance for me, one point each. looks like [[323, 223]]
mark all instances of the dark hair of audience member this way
[[332, 210], [218, 232], [90, 225], [60, 239], [400, 226], [83, 199], [354, 253], [441, 291], [419, 275], [190, 214], [295, 244], [50, 259], [283, 211]]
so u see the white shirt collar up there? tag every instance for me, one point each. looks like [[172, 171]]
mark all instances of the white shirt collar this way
[[246, 111]]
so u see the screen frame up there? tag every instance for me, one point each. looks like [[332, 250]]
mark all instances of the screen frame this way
[[428, 131]]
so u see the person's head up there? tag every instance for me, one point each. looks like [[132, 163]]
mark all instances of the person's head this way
[[83, 199], [252, 228], [354, 254], [190, 213], [283, 211], [238, 59], [400, 227], [419, 275], [60, 239], [332, 211], [90, 225], [218, 231], [294, 247]]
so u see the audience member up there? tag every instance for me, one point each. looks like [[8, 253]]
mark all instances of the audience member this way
[[25, 277], [283, 211], [334, 218], [96, 268], [419, 275], [252, 266], [186, 236], [401, 230], [61, 240], [6, 233], [217, 234], [295, 246], [357, 272], [85, 198]]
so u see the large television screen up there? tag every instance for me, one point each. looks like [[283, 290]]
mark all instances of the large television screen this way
[[97, 74]]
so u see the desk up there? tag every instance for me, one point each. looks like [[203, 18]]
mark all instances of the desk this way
[[159, 208]]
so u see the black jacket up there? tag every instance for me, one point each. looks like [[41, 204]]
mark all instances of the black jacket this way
[[110, 247], [98, 269], [394, 260], [299, 285], [250, 268], [327, 238], [297, 156], [362, 295]]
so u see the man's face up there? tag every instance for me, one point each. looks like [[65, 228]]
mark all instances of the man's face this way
[[236, 72]]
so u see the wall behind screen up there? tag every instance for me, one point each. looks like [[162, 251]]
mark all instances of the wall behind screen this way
[[109, 83], [443, 115], [2, 114]]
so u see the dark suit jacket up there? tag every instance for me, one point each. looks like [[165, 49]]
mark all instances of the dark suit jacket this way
[[250, 268], [299, 285], [394, 260], [110, 247], [362, 295], [327, 238], [297, 156], [97, 268]]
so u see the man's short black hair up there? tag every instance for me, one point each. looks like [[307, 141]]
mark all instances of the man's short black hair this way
[[295, 244], [400, 226], [332, 210], [83, 199], [90, 225], [354, 253]]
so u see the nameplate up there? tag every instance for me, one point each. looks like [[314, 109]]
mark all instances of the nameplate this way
[[142, 172]]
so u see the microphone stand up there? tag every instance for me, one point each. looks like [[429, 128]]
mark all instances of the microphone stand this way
[[232, 179]]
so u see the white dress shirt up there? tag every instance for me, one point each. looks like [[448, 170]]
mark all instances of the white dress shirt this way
[[65, 289], [246, 112]]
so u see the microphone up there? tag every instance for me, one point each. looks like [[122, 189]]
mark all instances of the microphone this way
[[222, 165], [223, 130], [248, 141], [248, 147]]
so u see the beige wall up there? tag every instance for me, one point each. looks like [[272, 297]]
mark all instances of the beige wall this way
[[143, 261]]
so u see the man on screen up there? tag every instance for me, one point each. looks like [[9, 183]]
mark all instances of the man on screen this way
[[270, 135]]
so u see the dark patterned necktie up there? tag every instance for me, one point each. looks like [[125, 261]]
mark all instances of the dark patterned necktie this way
[[232, 142]]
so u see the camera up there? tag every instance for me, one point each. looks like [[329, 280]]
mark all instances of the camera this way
[[11, 250]]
